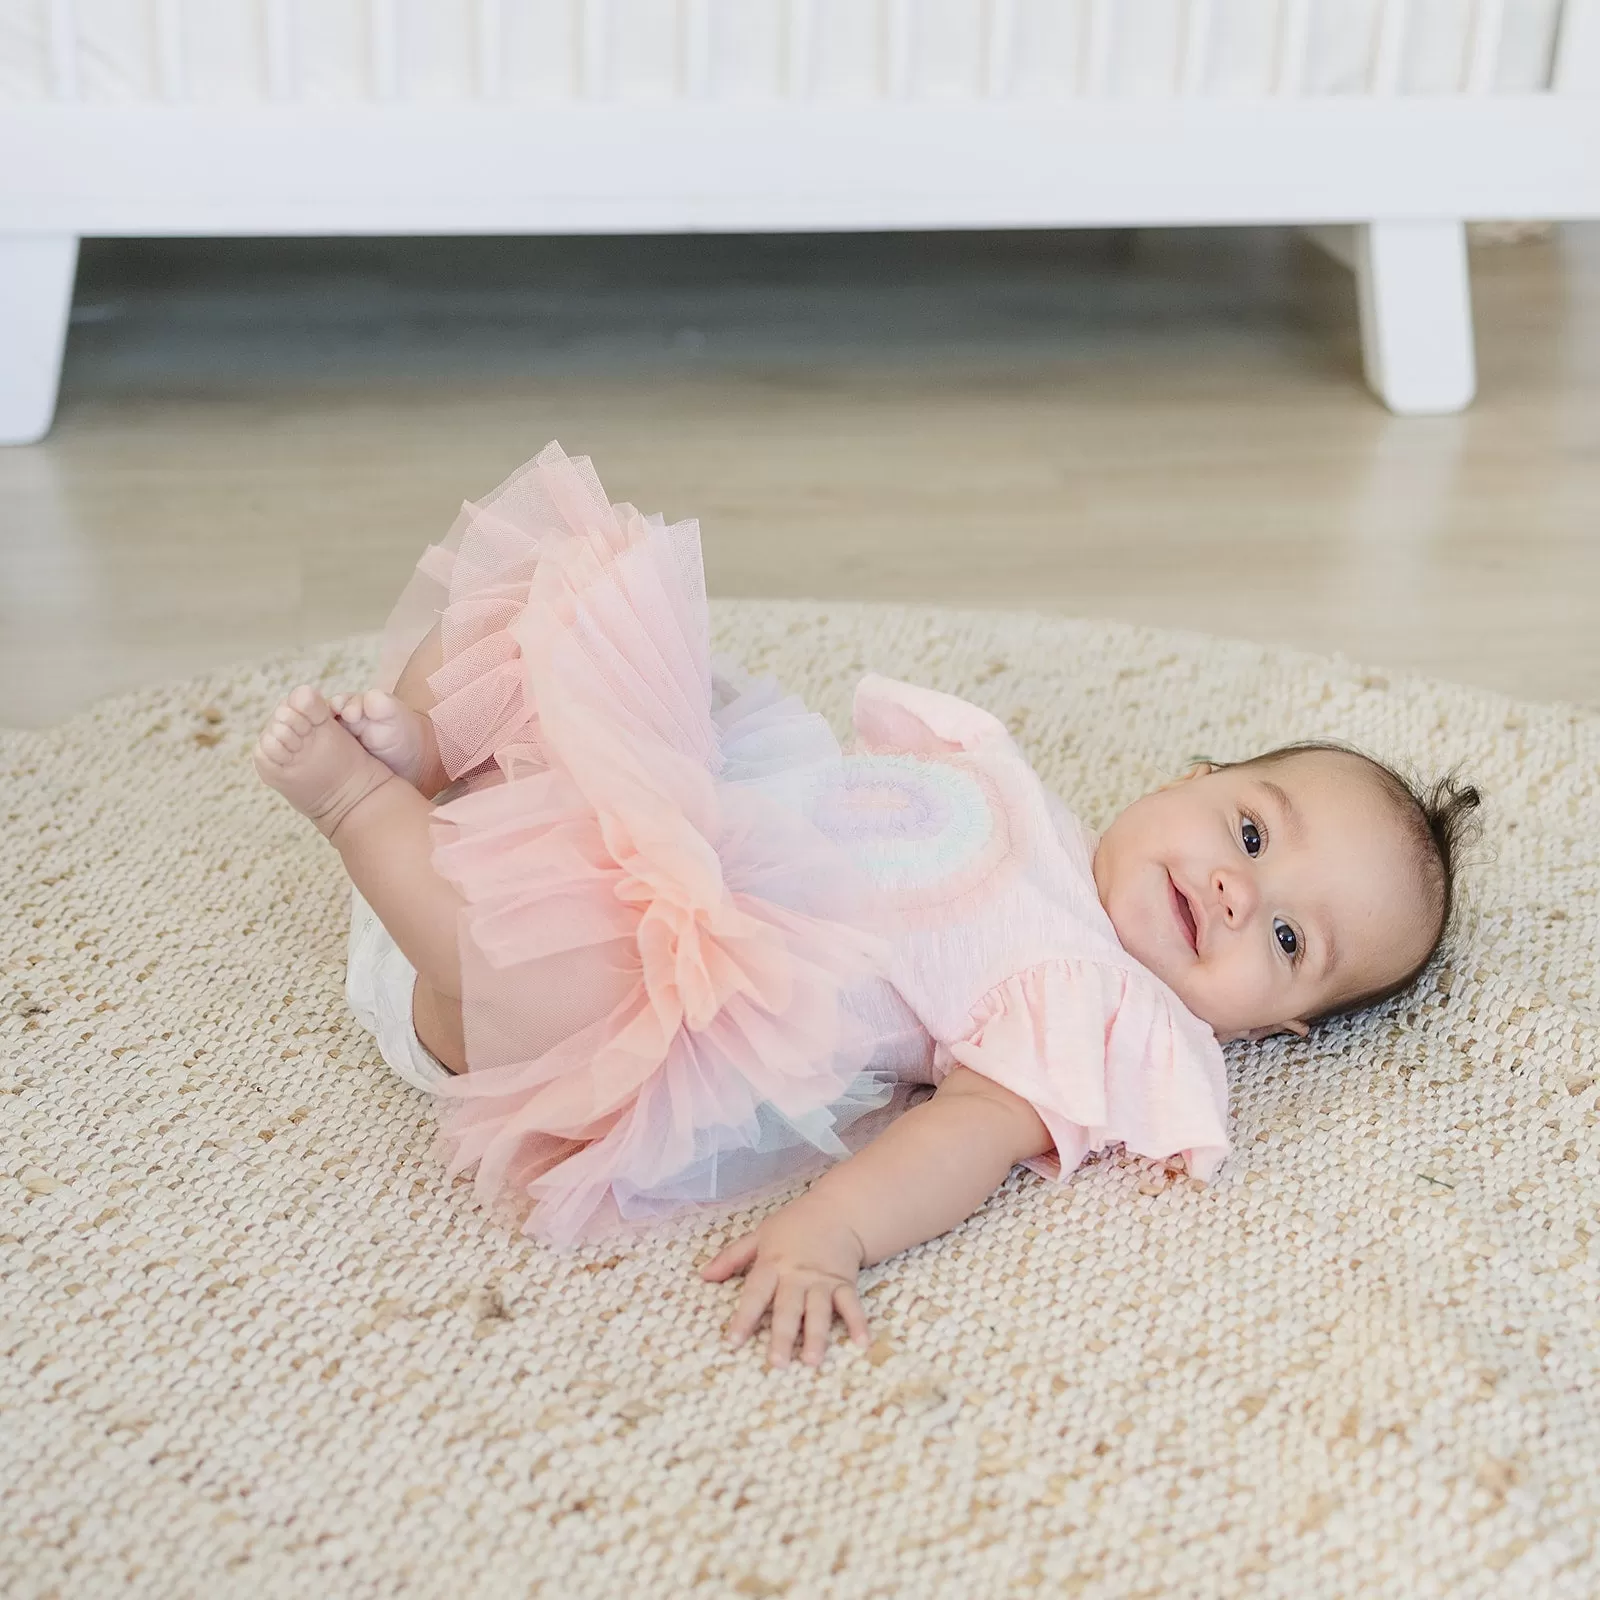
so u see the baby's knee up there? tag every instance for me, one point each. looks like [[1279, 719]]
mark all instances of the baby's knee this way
[[437, 1019]]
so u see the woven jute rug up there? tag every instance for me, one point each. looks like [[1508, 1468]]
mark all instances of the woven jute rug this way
[[253, 1345]]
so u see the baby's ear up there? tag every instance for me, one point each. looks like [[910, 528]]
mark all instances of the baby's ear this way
[[1255, 1035], [1299, 1029]]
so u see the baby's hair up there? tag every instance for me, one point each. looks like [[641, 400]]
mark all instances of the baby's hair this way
[[1438, 818]]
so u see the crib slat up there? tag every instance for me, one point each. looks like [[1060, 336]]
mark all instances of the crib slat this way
[[1097, 48], [1294, 35], [383, 44], [999, 45], [282, 76], [491, 49], [695, 25], [595, 50], [1488, 22], [1196, 47], [64, 49], [169, 49], [800, 49], [1393, 19], [899, 49], [1576, 69]]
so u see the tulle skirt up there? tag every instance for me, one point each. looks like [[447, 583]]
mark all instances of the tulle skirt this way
[[672, 981]]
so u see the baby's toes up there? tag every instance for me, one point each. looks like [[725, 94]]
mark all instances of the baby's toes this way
[[287, 719], [285, 733], [377, 720], [346, 709], [377, 705], [309, 703], [273, 749]]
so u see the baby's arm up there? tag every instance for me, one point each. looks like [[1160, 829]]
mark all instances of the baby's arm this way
[[932, 1167]]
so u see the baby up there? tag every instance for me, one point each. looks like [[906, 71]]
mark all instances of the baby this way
[[658, 943]]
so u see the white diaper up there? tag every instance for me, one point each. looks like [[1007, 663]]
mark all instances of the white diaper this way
[[378, 988]]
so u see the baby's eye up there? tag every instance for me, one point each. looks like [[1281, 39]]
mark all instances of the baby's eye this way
[[1287, 941], [1251, 835]]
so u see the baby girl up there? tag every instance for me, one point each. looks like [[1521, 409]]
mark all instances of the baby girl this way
[[655, 942]]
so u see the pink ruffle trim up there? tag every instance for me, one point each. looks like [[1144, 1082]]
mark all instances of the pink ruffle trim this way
[[1104, 1057], [653, 957]]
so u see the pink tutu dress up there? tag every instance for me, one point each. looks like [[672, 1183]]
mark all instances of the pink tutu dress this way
[[704, 951]]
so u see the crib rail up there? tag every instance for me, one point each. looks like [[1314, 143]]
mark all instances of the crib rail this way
[[726, 142], [1294, 35], [694, 68]]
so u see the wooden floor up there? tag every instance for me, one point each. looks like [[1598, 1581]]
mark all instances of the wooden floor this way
[[257, 438]]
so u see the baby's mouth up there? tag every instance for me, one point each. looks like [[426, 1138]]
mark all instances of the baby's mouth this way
[[1180, 909]]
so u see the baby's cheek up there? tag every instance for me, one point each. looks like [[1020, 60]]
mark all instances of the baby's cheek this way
[[1236, 995]]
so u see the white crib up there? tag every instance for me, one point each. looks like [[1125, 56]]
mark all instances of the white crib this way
[[1383, 125]]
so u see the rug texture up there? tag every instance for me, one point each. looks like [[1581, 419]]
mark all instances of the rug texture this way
[[252, 1344]]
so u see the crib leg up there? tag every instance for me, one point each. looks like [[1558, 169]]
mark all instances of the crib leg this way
[[1416, 314], [36, 272]]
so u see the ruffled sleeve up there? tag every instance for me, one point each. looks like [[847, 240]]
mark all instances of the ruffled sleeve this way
[[1103, 1055], [891, 715]]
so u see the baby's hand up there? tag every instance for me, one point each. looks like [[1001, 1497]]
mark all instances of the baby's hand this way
[[805, 1265]]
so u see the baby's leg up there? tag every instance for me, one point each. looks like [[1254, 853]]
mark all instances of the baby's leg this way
[[395, 727], [435, 1015], [377, 823], [426, 659], [437, 1019]]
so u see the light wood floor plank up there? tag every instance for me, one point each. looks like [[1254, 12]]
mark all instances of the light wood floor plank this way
[[257, 439]]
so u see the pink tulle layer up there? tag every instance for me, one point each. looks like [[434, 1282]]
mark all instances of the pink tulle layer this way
[[672, 988]]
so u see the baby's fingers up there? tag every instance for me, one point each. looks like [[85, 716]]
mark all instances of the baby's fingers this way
[[732, 1258], [788, 1307], [819, 1323], [752, 1302], [855, 1319]]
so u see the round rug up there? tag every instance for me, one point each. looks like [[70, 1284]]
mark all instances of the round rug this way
[[252, 1344]]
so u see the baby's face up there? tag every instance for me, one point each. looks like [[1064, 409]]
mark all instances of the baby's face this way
[[1264, 895]]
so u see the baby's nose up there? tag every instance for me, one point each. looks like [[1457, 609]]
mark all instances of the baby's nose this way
[[1235, 896]]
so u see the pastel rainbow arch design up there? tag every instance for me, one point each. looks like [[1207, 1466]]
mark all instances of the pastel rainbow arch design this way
[[932, 831]]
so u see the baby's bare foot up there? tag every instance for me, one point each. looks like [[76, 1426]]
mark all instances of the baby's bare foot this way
[[320, 769], [402, 739]]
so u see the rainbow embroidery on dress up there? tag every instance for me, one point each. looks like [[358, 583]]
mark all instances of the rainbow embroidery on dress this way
[[930, 830]]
